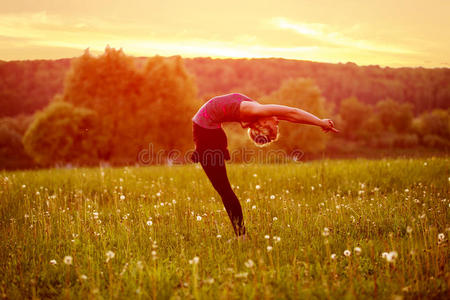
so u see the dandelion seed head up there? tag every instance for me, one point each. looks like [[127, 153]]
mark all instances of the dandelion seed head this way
[[109, 255], [409, 229], [194, 261], [68, 260], [392, 256], [209, 280], [139, 265]]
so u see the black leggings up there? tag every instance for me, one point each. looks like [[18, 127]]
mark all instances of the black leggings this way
[[217, 174]]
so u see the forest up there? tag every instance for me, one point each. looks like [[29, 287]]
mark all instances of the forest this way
[[108, 109]]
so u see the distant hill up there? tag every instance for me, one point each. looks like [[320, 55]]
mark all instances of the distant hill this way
[[27, 86]]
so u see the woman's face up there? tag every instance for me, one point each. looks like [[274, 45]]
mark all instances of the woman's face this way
[[270, 123]]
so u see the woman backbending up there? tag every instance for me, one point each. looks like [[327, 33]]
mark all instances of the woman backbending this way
[[262, 123]]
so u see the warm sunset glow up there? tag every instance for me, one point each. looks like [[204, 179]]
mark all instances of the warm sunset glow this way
[[399, 33]]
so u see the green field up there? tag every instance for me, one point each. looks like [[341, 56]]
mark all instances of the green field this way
[[161, 232]]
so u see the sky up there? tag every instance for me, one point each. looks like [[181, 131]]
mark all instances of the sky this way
[[379, 32]]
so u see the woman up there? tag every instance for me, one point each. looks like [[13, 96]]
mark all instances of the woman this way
[[262, 123]]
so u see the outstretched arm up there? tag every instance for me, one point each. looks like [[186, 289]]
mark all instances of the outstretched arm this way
[[253, 110]]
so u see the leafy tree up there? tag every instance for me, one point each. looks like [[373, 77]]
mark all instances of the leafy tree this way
[[354, 114], [137, 109], [12, 152], [371, 128], [436, 122], [64, 134], [394, 115]]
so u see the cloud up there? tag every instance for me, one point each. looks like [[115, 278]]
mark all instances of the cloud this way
[[46, 35], [50, 30], [325, 33]]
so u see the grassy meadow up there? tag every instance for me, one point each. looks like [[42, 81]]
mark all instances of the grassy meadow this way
[[324, 229]]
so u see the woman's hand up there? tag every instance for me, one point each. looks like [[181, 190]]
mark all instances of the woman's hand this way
[[328, 125]]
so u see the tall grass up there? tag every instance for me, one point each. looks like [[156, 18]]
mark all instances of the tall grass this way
[[162, 232]]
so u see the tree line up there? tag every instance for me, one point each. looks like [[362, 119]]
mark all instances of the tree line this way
[[27, 86], [112, 108]]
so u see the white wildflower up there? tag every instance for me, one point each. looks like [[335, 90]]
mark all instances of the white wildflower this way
[[441, 237], [257, 187], [149, 223], [326, 231], [357, 250], [269, 248], [83, 277], [194, 261], [347, 253], [333, 256], [199, 218], [53, 262], [249, 263], [272, 197], [267, 236]]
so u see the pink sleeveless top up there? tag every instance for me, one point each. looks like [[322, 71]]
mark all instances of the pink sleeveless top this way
[[225, 108]]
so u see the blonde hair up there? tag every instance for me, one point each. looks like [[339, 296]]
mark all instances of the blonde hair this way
[[263, 135]]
